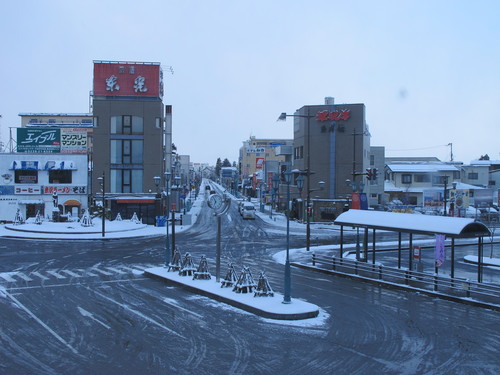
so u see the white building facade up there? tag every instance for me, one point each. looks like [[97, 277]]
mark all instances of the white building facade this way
[[35, 183]]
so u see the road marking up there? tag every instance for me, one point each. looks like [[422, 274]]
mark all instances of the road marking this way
[[102, 272], [71, 273], [86, 272], [116, 270], [173, 304], [7, 276], [24, 277], [52, 332], [91, 316], [38, 274], [54, 273], [138, 313]]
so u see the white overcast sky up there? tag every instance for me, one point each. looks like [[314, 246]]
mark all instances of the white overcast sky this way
[[428, 71]]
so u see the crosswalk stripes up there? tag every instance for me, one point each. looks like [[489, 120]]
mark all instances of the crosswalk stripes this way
[[71, 273], [38, 274], [54, 273], [24, 277], [7, 276], [64, 274]]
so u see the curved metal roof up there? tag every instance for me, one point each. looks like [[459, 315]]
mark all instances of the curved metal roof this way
[[414, 223]]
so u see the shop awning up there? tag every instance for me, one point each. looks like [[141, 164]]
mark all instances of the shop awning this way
[[60, 165], [25, 165], [72, 202], [30, 201]]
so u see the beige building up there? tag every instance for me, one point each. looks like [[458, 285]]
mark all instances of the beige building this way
[[255, 153]]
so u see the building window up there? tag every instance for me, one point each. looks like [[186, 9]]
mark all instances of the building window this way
[[127, 151], [126, 180], [456, 175], [491, 183], [127, 125], [299, 152], [422, 178], [372, 159], [60, 177], [472, 176], [26, 177], [121, 69], [406, 179], [158, 122]]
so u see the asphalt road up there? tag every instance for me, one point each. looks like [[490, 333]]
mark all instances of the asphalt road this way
[[85, 308]]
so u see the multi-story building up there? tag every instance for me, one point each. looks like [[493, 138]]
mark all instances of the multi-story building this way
[[332, 146], [260, 159], [30, 181], [132, 135]]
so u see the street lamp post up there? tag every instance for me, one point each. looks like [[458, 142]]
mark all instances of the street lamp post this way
[[307, 116], [445, 182], [168, 251], [157, 180], [288, 276], [102, 182], [276, 185]]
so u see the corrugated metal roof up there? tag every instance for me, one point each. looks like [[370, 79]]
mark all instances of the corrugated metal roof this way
[[413, 223]]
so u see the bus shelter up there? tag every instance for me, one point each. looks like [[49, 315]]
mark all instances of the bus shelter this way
[[451, 227]]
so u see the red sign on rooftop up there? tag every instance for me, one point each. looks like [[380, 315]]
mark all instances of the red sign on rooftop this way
[[343, 114], [127, 79]]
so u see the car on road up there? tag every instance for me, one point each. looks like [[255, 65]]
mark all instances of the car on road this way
[[247, 210]]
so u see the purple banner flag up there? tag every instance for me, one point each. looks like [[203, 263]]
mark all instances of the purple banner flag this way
[[439, 251]]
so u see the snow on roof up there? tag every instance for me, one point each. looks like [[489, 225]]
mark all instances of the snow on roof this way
[[423, 224], [422, 168]]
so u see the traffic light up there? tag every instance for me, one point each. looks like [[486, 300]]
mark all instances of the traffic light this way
[[369, 174], [374, 173]]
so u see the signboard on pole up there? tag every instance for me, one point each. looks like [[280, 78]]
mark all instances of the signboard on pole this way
[[439, 250]]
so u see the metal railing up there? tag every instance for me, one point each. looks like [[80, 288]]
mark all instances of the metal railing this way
[[442, 285]]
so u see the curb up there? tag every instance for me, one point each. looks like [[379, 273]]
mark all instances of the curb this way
[[237, 304]]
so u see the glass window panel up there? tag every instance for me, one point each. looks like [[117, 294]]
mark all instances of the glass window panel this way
[[116, 181], [137, 181], [137, 125], [126, 181], [116, 125], [126, 151], [137, 152], [116, 151]]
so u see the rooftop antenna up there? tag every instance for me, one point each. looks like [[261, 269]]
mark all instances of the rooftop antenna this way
[[451, 151]]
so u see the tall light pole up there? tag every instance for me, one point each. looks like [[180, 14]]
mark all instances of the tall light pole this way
[[445, 182], [168, 251], [288, 276], [307, 116], [102, 182]]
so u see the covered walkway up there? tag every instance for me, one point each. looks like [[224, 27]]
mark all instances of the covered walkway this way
[[451, 227]]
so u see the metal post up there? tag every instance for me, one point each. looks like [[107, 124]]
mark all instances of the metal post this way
[[341, 241], [452, 272], [410, 265], [168, 251], [103, 178], [373, 248], [288, 282], [217, 255], [308, 225], [173, 230], [399, 250], [479, 259]]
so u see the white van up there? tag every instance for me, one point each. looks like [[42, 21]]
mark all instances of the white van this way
[[248, 210]]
